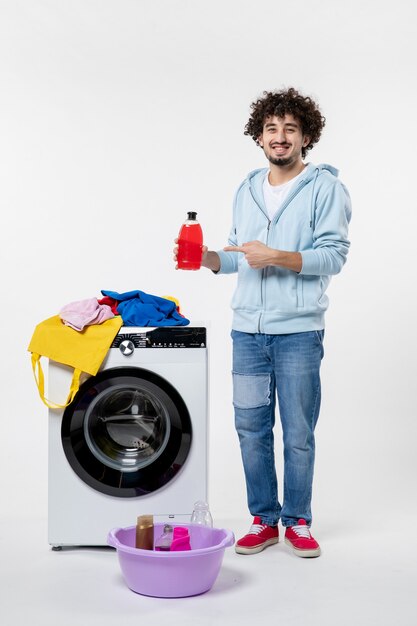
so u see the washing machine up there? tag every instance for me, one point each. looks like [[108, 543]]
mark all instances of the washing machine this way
[[134, 439]]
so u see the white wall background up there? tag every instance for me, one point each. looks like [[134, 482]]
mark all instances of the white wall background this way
[[116, 117]]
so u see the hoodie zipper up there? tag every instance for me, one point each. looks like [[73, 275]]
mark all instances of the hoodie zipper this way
[[263, 281]]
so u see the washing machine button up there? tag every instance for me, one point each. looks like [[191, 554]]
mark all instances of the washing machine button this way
[[127, 347]]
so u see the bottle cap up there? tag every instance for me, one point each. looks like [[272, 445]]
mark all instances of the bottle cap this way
[[144, 521], [200, 504], [192, 215]]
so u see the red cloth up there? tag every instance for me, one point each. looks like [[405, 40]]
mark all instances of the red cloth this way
[[111, 302]]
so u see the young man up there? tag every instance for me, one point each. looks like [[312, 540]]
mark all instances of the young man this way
[[288, 237]]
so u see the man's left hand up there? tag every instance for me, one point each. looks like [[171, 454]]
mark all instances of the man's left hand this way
[[257, 254]]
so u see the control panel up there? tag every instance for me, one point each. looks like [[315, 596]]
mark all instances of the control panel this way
[[178, 337]]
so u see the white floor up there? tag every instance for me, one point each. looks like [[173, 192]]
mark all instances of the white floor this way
[[364, 577]]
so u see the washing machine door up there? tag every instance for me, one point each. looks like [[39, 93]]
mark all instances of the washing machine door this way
[[127, 433]]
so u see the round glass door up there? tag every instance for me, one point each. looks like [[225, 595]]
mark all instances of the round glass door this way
[[127, 433]]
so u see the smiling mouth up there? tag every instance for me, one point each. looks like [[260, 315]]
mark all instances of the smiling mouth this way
[[280, 148]]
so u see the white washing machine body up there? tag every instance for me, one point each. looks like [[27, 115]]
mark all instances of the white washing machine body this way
[[134, 440]]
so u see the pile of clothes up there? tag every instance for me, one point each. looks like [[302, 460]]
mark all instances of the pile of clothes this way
[[136, 308]]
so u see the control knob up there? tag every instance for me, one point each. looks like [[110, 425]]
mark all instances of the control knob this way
[[127, 347]]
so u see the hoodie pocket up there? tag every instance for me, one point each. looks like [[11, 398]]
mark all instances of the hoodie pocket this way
[[300, 291]]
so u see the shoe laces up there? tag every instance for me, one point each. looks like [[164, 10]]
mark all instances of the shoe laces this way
[[255, 529], [302, 531]]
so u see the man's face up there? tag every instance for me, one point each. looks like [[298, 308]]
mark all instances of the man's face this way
[[282, 140]]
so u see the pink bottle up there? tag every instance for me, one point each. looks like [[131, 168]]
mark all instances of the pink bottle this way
[[190, 244], [181, 539]]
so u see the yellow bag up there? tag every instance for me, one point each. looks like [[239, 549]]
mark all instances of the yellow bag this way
[[84, 351]]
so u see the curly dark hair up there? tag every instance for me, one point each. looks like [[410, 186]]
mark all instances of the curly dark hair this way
[[279, 103]]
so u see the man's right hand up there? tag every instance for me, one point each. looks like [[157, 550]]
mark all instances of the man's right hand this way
[[209, 259]]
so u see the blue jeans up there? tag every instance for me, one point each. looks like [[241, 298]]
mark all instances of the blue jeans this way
[[286, 366]]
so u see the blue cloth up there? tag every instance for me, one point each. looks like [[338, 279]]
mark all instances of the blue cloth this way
[[287, 366], [138, 308]]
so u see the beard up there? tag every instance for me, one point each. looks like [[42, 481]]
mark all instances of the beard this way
[[280, 161]]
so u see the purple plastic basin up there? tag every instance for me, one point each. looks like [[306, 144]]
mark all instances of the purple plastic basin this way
[[172, 574]]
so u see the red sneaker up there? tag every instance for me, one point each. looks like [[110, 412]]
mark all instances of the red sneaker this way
[[299, 537], [259, 537]]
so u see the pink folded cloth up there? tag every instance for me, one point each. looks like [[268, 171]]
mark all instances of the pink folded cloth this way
[[83, 313], [181, 539]]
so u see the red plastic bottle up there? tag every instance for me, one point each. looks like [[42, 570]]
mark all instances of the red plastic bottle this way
[[190, 244]]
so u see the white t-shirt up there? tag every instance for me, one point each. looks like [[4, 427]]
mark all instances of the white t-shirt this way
[[275, 195]]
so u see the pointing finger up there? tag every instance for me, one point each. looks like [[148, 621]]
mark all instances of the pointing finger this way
[[233, 249]]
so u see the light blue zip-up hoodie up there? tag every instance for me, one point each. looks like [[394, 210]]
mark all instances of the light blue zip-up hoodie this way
[[313, 221]]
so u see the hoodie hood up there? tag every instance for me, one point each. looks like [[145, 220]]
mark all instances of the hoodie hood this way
[[311, 172], [256, 177]]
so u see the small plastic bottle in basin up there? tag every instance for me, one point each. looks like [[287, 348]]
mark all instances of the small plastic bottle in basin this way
[[201, 514]]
